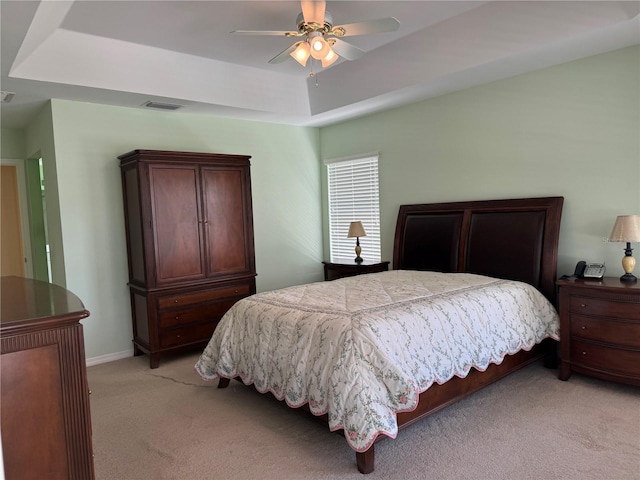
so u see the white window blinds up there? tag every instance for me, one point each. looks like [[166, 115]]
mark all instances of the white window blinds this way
[[353, 196]]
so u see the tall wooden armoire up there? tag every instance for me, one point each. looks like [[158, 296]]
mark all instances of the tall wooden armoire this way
[[189, 227]]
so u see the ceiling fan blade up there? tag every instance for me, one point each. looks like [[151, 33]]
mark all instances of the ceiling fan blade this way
[[313, 11], [267, 32], [284, 55], [346, 50], [389, 24]]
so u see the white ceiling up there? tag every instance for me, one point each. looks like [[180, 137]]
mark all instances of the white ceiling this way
[[129, 52]]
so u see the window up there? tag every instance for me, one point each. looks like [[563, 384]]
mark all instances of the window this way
[[353, 195]]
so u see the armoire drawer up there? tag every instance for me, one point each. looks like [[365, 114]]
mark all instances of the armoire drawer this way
[[601, 357], [185, 335], [183, 299], [199, 313], [606, 331]]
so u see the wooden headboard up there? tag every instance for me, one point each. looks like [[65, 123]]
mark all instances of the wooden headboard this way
[[513, 239]]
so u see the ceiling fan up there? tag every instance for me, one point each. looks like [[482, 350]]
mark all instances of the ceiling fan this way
[[322, 40]]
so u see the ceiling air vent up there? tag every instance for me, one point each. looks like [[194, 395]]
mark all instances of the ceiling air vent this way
[[162, 106], [5, 97]]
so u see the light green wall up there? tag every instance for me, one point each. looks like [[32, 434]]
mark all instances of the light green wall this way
[[12, 143], [571, 130], [40, 143], [285, 176]]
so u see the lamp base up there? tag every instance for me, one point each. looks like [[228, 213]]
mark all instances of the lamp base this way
[[628, 277], [358, 259]]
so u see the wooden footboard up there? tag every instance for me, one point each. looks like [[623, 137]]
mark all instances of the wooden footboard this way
[[438, 397]]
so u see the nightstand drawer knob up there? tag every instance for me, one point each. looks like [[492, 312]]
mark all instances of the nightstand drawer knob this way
[[583, 305], [583, 327], [584, 353]]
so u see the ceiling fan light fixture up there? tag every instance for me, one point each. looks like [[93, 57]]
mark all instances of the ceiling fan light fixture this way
[[320, 38], [301, 53], [319, 46], [329, 58]]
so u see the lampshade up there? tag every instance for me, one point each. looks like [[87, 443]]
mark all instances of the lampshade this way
[[329, 58], [301, 53], [356, 230], [626, 229]]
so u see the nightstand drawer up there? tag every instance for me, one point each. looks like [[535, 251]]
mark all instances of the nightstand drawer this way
[[604, 307], [606, 331], [599, 357]]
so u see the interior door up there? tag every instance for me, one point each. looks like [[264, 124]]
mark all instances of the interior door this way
[[12, 259], [177, 228]]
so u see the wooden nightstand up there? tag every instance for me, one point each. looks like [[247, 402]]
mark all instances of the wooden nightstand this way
[[600, 329], [349, 268]]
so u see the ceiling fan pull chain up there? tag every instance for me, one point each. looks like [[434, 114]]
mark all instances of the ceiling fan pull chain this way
[[311, 72]]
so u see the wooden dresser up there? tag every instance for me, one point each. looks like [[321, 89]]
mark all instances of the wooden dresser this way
[[600, 329], [189, 226], [46, 422]]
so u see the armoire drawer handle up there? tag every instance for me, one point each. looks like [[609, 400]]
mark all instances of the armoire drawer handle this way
[[584, 353], [583, 327], [583, 305]]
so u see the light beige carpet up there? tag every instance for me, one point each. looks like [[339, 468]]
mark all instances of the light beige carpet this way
[[166, 423]]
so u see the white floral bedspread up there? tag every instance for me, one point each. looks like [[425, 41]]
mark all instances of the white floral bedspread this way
[[363, 348]]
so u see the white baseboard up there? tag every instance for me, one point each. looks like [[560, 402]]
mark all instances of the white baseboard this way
[[110, 357]]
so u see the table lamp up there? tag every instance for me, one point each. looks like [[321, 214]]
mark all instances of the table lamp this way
[[357, 230], [627, 229]]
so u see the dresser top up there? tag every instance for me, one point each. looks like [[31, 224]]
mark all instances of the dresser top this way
[[31, 304]]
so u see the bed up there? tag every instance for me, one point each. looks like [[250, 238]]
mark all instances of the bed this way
[[470, 300]]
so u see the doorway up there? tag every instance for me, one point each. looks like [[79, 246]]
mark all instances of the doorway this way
[[24, 245], [40, 252], [12, 249]]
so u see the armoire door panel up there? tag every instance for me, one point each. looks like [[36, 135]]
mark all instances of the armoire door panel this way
[[135, 224], [177, 227], [224, 206]]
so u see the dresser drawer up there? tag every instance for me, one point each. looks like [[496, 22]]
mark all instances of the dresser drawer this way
[[600, 357], [191, 334], [606, 331], [199, 313], [172, 301], [604, 307]]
